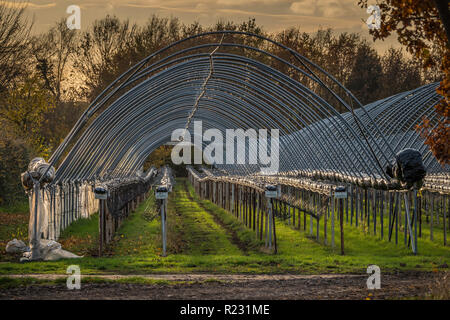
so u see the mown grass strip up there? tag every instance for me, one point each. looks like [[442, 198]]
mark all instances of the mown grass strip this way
[[81, 237], [246, 237], [201, 233], [140, 234]]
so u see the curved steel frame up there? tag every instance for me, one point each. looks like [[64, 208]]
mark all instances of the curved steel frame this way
[[235, 85]]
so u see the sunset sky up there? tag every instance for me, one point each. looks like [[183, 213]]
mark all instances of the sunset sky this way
[[273, 15]]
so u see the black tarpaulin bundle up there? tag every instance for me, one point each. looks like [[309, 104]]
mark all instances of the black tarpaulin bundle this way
[[407, 167]]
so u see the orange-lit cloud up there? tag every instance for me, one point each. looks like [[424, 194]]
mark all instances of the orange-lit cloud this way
[[273, 15], [27, 4]]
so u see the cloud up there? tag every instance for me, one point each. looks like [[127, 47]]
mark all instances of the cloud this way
[[304, 8], [273, 15], [324, 8], [27, 4], [246, 3], [332, 10]]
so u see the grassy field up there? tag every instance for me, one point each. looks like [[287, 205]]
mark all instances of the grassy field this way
[[205, 238]]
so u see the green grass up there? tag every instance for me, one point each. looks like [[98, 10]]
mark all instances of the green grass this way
[[139, 236], [13, 225], [245, 236], [199, 230], [10, 283], [81, 237], [17, 207], [200, 240]]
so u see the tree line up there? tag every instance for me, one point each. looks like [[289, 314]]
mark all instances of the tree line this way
[[47, 80]]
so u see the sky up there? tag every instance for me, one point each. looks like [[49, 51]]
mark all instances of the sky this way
[[273, 15]]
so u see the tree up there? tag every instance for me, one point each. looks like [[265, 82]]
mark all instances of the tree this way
[[341, 55], [14, 42], [15, 156], [364, 80], [97, 49], [420, 25], [399, 73], [53, 51], [24, 108]]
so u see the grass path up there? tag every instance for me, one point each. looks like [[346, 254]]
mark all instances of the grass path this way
[[202, 234]]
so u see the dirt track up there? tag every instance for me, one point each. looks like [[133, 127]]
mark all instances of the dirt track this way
[[278, 287]]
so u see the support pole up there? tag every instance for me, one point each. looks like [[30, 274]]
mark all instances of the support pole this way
[[163, 225], [35, 237], [414, 249], [332, 222], [340, 193], [101, 229], [269, 218], [341, 222]]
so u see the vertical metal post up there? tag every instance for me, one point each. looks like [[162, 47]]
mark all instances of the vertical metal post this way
[[311, 206], [431, 216], [382, 213], [270, 222], [445, 220], [415, 220], [341, 221], [356, 207], [408, 222], [332, 222], [232, 199], [35, 253], [163, 225], [397, 214], [351, 205], [101, 229], [346, 207], [374, 211], [325, 218]]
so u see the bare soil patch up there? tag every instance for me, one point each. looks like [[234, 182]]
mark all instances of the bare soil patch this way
[[240, 287]]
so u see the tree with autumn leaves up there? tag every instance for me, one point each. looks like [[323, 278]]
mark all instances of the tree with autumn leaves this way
[[423, 25]]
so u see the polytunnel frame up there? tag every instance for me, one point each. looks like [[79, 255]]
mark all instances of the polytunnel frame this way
[[138, 72]]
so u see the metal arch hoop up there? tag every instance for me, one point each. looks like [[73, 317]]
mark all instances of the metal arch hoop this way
[[110, 143]]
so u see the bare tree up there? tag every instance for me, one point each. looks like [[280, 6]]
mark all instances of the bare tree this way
[[53, 51], [14, 41], [97, 49]]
